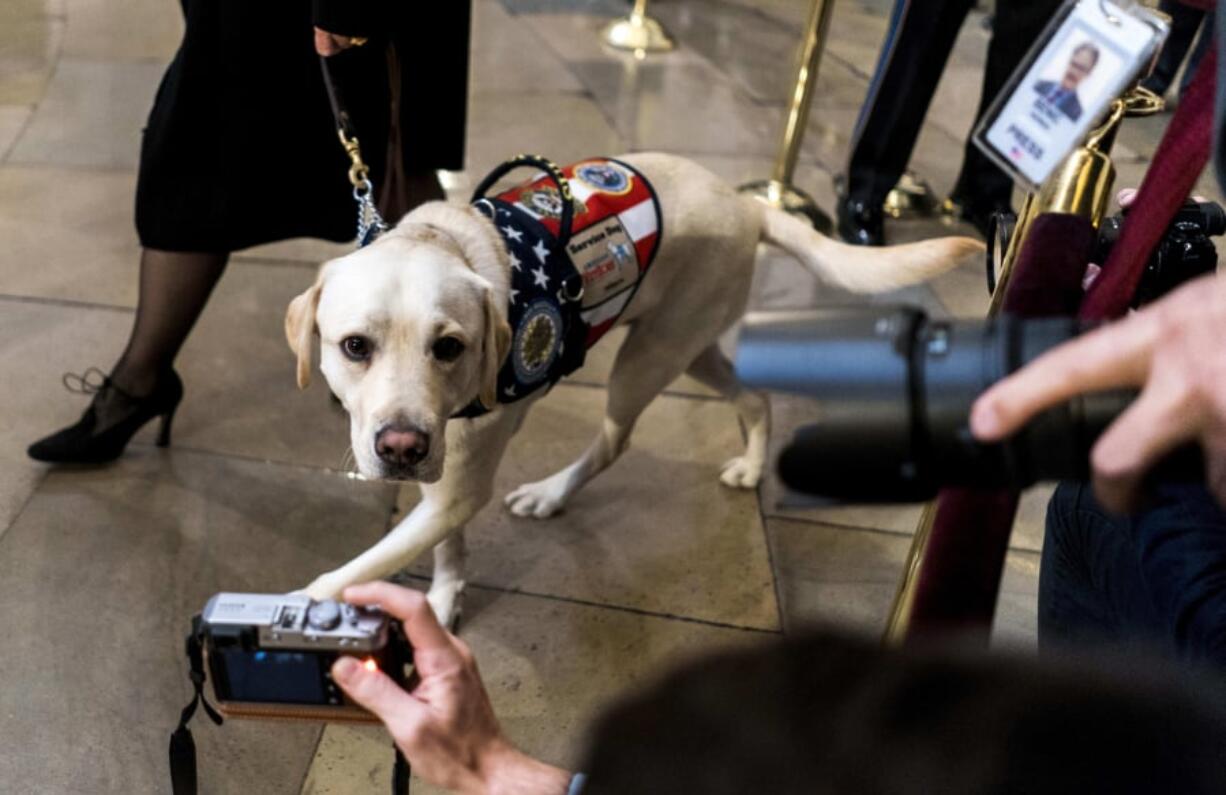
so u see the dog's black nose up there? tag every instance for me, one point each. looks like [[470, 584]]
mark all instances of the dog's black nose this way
[[402, 446]]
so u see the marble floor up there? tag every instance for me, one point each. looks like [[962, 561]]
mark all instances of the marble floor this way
[[101, 568]]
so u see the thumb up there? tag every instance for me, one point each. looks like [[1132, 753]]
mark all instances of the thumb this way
[[375, 691]]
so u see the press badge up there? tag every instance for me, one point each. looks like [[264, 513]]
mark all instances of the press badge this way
[[1086, 57]]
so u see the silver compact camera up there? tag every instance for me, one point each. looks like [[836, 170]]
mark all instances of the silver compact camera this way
[[271, 655]]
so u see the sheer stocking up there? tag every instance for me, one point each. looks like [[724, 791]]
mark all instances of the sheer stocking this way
[[174, 287]]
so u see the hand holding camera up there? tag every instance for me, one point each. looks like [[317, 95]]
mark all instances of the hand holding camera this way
[[444, 723], [288, 656]]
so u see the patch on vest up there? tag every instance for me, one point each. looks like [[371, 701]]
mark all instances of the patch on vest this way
[[603, 176], [545, 202], [537, 343], [615, 232]]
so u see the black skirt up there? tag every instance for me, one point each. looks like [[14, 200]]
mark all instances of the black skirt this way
[[241, 147]]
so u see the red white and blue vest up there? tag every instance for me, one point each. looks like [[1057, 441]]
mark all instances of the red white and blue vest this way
[[566, 293]]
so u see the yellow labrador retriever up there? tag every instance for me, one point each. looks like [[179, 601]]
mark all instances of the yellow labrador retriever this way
[[413, 328]]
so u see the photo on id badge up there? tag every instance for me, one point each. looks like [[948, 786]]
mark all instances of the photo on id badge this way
[[1050, 109], [1073, 74]]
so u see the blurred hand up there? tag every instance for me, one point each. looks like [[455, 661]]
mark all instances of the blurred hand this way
[[445, 725], [1173, 349], [330, 43]]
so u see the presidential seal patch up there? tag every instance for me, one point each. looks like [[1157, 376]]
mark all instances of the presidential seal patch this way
[[604, 176], [538, 340]]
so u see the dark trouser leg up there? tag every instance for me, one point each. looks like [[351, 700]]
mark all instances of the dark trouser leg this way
[[1157, 579], [1091, 588], [402, 190], [1202, 44], [1185, 21], [891, 125], [1015, 27], [174, 287]]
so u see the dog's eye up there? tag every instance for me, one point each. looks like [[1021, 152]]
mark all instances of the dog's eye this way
[[447, 349], [356, 348]]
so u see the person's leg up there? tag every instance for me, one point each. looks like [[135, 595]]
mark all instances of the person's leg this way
[[982, 187], [1091, 589], [1182, 543], [909, 76], [402, 190], [1157, 578], [1203, 39], [1185, 21], [174, 287]]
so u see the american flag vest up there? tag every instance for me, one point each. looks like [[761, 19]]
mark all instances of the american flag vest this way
[[567, 290]]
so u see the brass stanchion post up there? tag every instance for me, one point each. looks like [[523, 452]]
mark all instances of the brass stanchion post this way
[[638, 33], [778, 191]]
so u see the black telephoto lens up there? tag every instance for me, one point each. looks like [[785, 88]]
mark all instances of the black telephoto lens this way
[[894, 391]]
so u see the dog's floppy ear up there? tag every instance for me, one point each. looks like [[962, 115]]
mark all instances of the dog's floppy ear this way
[[494, 347], [300, 328]]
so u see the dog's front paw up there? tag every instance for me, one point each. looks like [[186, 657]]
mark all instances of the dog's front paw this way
[[539, 500], [447, 603], [323, 587], [741, 473]]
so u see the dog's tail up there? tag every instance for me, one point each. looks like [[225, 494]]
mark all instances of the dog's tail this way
[[864, 269]]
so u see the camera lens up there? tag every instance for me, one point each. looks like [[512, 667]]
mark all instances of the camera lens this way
[[1215, 218], [893, 394]]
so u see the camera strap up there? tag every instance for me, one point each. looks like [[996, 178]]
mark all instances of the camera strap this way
[[182, 746], [400, 774]]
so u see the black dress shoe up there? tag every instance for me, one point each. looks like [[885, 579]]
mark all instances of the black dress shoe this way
[[111, 420], [861, 223]]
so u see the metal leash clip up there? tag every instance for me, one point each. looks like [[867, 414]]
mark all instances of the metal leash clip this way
[[370, 221]]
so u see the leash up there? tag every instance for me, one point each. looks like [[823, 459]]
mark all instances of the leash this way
[[370, 223]]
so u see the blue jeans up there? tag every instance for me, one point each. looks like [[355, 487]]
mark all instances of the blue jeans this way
[[1156, 579]]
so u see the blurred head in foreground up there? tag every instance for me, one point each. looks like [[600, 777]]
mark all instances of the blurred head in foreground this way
[[824, 713]]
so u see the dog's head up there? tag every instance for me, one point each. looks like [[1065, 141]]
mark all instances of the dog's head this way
[[412, 328]]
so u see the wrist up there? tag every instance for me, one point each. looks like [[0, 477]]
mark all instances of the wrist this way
[[506, 770]]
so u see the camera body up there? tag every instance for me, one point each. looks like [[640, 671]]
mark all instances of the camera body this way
[[271, 655], [1183, 253]]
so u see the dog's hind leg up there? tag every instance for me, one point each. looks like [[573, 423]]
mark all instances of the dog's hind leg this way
[[645, 365], [713, 369]]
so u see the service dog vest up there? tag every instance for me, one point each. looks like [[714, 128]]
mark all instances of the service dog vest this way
[[572, 273]]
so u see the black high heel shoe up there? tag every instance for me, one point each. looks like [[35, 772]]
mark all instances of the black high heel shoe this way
[[111, 420]]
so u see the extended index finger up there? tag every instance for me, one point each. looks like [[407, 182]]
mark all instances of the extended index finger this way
[[421, 626], [1110, 357]]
